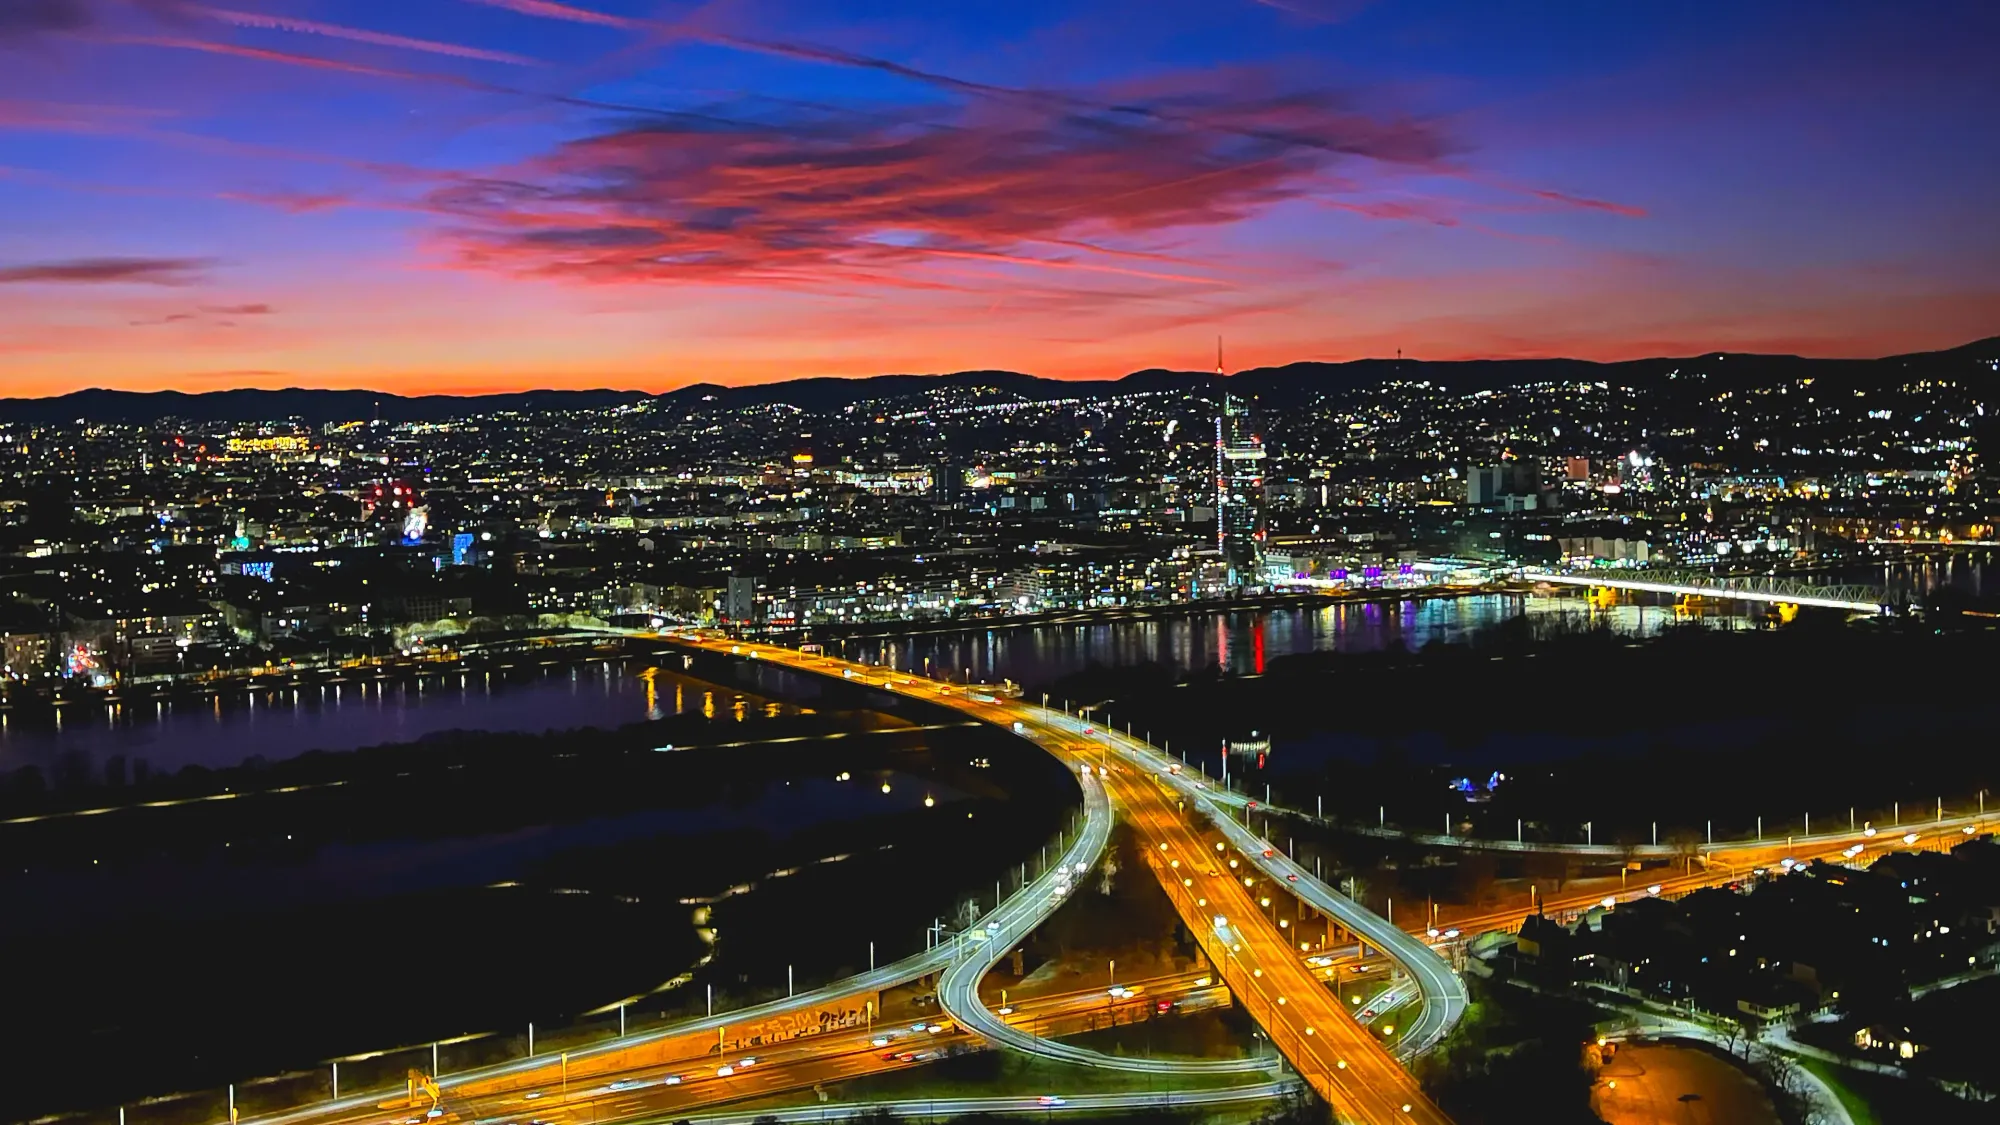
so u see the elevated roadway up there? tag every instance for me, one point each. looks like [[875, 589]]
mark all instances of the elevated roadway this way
[[1746, 588], [1734, 851], [682, 1086], [1443, 992], [1720, 862], [1335, 1056], [1338, 1059], [1017, 1106], [1740, 865], [1025, 909]]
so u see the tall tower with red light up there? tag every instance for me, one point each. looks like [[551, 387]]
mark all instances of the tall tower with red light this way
[[1239, 488]]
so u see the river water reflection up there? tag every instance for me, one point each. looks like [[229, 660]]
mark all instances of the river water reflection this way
[[608, 694], [1244, 642]]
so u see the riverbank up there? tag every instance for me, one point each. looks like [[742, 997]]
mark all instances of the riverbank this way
[[30, 697], [1165, 610], [211, 926], [1557, 726]]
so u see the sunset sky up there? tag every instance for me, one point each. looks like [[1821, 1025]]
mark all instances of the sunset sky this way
[[461, 195]]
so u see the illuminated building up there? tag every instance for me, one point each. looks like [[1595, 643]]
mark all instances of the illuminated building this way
[[277, 447], [1239, 489]]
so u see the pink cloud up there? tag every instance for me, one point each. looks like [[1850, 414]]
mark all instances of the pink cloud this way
[[822, 200]]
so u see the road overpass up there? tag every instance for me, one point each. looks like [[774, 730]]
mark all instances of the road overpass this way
[[1338, 1059], [1335, 1056], [1442, 990], [1012, 1105], [676, 1089], [1033, 902]]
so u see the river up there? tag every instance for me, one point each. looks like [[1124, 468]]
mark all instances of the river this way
[[607, 694]]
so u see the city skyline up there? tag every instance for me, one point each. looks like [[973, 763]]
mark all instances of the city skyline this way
[[494, 195], [1206, 562]]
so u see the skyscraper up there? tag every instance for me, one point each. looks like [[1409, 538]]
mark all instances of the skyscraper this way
[[1239, 489]]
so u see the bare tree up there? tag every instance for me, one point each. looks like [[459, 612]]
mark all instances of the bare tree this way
[[1791, 1090]]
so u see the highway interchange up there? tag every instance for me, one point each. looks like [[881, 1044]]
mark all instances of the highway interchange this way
[[1190, 830]]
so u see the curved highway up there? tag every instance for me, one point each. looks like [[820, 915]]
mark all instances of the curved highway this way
[[1715, 850], [1344, 1064], [1020, 1105], [1443, 992], [958, 988], [1340, 1060], [1021, 912]]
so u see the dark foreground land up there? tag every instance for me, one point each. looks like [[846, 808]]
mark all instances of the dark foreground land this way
[[217, 926]]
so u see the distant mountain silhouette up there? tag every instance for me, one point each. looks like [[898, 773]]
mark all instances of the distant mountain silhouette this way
[[1274, 386], [310, 406]]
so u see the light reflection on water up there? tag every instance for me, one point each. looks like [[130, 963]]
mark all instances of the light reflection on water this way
[[1246, 641], [283, 723]]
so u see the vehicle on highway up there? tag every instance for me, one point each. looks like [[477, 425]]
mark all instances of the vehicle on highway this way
[[1050, 1100]]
